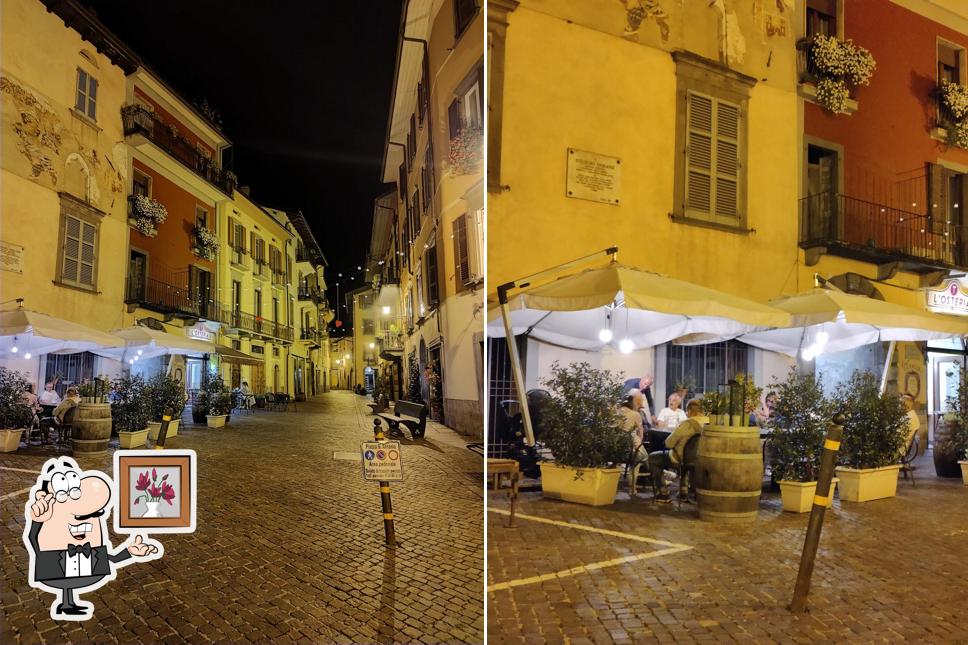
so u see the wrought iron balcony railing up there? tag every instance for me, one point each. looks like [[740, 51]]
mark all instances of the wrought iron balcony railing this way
[[880, 233], [237, 319], [139, 120], [170, 297]]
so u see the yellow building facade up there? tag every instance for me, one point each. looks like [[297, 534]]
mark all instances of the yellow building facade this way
[[434, 155], [64, 169]]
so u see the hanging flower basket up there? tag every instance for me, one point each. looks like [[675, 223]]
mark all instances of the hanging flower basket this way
[[466, 150], [206, 243], [839, 65], [954, 112], [147, 215]]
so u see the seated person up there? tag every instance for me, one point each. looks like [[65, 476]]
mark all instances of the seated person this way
[[49, 396], [669, 418], [632, 422], [676, 443], [70, 401], [246, 393], [913, 423], [644, 385], [762, 416]]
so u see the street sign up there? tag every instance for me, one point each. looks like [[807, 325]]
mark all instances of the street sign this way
[[382, 461]]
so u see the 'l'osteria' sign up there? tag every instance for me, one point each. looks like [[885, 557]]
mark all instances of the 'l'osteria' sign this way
[[949, 298], [593, 176]]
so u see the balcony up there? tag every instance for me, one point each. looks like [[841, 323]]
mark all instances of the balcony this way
[[310, 293], [241, 321], [170, 297], [390, 342], [878, 233], [238, 257], [260, 270], [312, 336], [302, 255], [278, 278], [138, 120]]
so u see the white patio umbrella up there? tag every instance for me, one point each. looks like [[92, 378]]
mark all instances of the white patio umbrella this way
[[24, 332], [145, 342], [645, 308], [827, 320], [623, 305]]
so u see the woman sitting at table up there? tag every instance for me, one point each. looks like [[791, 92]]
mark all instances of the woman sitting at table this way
[[670, 417], [633, 424], [763, 415]]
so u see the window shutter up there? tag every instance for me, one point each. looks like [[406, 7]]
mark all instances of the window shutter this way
[[431, 181], [453, 118], [92, 98], [727, 158], [403, 180], [461, 255], [411, 149], [699, 124], [80, 103], [937, 194], [233, 239], [480, 91], [240, 236], [433, 291], [80, 252]]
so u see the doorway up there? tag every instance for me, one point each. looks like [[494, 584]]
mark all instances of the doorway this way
[[946, 360], [193, 373], [137, 275], [201, 289], [822, 186]]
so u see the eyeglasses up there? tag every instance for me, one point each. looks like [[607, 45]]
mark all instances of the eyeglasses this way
[[62, 495]]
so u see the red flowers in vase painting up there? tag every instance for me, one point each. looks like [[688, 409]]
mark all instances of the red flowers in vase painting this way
[[153, 492]]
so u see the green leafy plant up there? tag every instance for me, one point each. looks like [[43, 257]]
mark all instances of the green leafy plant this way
[[165, 392], [94, 390], [956, 442], [129, 403], [748, 391], [799, 423], [875, 423], [214, 396], [713, 403], [582, 425], [14, 413]]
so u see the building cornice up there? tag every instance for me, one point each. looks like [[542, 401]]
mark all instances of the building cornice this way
[[85, 23]]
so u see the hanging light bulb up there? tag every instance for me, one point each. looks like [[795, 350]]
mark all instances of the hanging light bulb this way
[[605, 335], [27, 355], [130, 361], [14, 349], [139, 352], [626, 346]]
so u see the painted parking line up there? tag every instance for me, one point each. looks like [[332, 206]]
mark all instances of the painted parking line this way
[[20, 470], [15, 493], [22, 491], [671, 547]]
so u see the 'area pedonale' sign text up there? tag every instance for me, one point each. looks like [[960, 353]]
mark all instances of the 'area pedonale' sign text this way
[[949, 298]]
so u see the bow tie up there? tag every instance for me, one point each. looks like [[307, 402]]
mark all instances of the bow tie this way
[[73, 550]]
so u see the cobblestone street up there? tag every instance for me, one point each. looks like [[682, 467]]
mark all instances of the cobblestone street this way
[[887, 571], [289, 542]]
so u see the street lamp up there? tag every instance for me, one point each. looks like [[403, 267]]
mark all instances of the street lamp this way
[[386, 310]]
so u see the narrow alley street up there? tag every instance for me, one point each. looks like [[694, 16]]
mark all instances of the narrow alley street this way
[[289, 544]]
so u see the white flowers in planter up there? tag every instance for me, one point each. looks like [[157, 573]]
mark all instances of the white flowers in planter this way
[[840, 64], [466, 150], [149, 214], [206, 243], [954, 97]]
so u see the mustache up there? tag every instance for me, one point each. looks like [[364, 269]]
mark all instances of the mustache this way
[[89, 515]]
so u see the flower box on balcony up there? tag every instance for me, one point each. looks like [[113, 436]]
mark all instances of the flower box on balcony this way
[[830, 68]]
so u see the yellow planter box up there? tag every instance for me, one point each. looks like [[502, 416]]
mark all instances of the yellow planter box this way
[[798, 496], [10, 440], [154, 428], [594, 486], [866, 484], [964, 471], [132, 439]]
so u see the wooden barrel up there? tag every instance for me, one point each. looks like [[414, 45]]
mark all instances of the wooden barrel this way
[[91, 428], [729, 474], [945, 455]]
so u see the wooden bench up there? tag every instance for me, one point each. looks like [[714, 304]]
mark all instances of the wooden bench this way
[[412, 415]]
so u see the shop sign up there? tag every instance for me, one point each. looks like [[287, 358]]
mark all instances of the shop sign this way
[[949, 298], [382, 461], [11, 257], [593, 176], [200, 333]]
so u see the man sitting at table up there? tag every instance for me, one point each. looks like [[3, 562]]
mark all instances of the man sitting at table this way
[[49, 396], [676, 444]]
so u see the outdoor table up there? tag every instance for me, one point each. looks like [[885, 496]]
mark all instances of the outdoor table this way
[[656, 437]]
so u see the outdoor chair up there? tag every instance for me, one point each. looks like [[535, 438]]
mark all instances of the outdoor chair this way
[[65, 429], [907, 461], [270, 400], [282, 401], [687, 469]]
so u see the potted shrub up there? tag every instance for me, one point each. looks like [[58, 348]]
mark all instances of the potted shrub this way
[[951, 440], [582, 430], [837, 66], [129, 409], [874, 432], [166, 392], [798, 426], [14, 414], [217, 400], [200, 407]]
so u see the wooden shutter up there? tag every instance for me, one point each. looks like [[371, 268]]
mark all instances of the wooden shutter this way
[[233, 239], [433, 290], [727, 158], [480, 91], [462, 268], [403, 180], [412, 148], [937, 194], [699, 137], [78, 261], [453, 118], [712, 156]]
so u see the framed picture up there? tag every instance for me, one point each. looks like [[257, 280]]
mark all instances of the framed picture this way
[[156, 491]]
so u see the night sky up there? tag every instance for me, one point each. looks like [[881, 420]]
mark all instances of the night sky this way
[[303, 89]]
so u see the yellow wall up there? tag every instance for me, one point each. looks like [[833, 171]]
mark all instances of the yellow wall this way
[[40, 57], [571, 86]]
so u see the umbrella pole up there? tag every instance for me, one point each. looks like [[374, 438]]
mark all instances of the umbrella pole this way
[[502, 294], [887, 365]]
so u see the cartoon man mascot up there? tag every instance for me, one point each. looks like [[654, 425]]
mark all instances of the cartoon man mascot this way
[[66, 536]]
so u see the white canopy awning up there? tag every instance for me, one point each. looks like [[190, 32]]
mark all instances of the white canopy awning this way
[[36, 333], [647, 308], [151, 343], [826, 320]]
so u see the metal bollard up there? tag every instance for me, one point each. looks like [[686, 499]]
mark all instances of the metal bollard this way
[[388, 530], [163, 430], [821, 502]]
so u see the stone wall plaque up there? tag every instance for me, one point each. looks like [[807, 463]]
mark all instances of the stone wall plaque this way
[[11, 257], [593, 177]]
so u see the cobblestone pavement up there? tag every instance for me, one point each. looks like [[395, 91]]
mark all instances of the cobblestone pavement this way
[[887, 571], [288, 545]]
